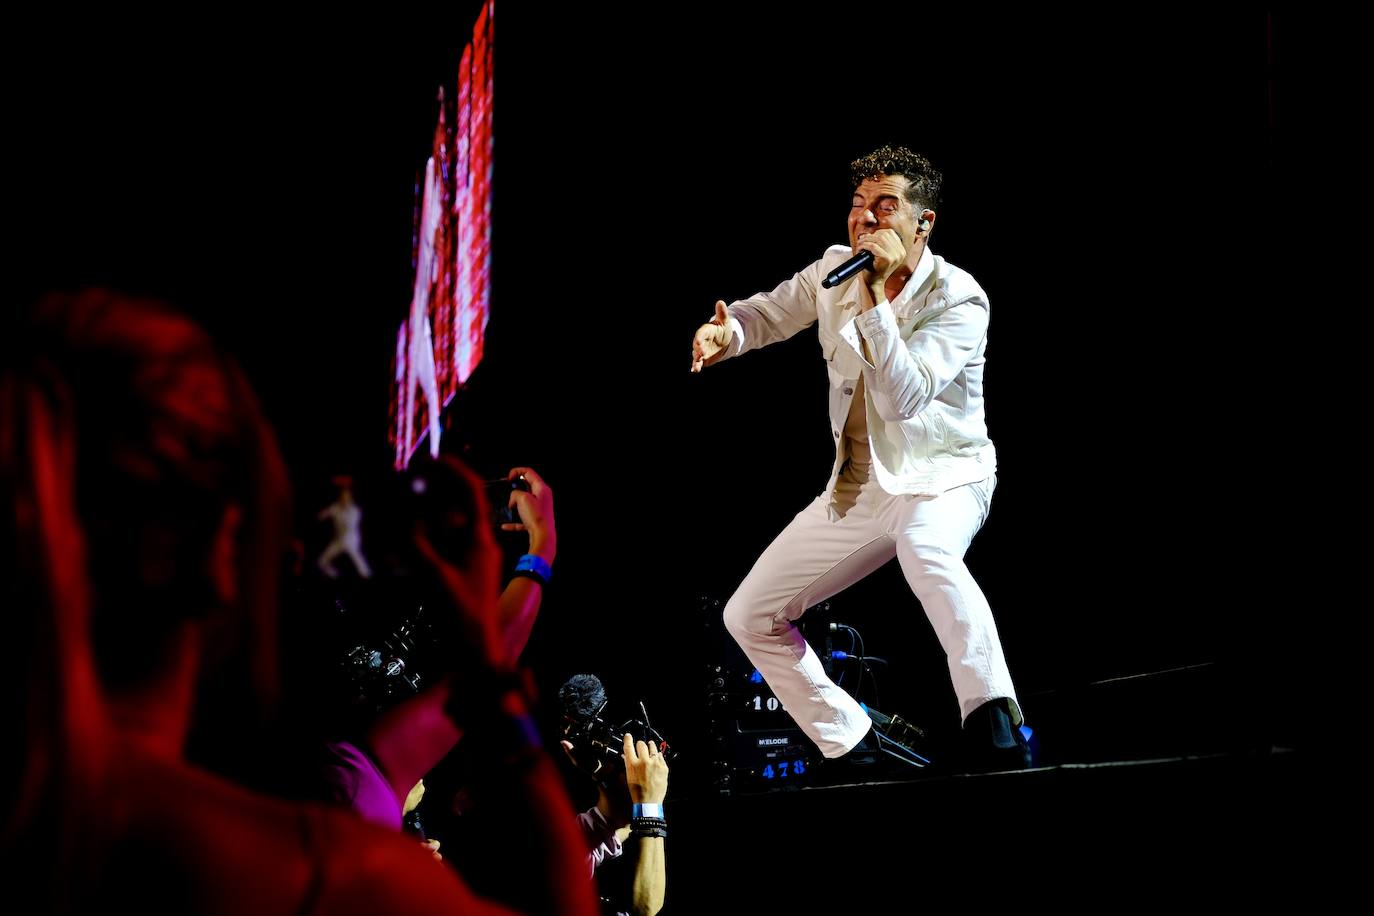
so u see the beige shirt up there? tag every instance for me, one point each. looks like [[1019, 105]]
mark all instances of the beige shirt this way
[[858, 458]]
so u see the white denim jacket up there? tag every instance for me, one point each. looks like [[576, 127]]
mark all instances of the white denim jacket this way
[[925, 385]]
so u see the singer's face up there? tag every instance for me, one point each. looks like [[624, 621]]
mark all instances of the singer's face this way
[[880, 203]]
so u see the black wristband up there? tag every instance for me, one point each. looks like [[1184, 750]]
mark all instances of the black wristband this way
[[648, 827], [529, 574]]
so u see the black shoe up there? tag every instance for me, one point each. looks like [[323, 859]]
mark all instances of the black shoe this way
[[991, 742], [865, 753], [865, 762]]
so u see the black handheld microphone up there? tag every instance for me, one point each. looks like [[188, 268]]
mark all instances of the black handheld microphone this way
[[861, 261]]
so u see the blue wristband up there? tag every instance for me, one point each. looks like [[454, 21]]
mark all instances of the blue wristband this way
[[535, 566], [646, 809]]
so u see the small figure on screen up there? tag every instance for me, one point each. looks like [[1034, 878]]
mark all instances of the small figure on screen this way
[[348, 539]]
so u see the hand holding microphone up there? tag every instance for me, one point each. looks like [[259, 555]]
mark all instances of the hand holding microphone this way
[[864, 256]]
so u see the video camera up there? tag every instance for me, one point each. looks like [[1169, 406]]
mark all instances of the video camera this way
[[596, 742]]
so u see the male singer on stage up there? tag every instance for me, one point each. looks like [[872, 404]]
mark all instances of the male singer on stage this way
[[904, 337]]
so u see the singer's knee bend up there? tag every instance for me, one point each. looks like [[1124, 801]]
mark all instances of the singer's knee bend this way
[[736, 620], [745, 618]]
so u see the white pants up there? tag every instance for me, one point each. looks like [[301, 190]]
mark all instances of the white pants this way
[[814, 557], [353, 547]]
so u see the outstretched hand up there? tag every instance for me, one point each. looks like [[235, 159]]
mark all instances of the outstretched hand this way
[[711, 339]]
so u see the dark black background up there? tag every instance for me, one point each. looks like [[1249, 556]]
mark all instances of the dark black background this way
[[1107, 182]]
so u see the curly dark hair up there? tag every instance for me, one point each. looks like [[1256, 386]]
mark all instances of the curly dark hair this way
[[924, 179]]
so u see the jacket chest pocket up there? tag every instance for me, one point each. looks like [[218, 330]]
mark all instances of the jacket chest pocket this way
[[844, 364]]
